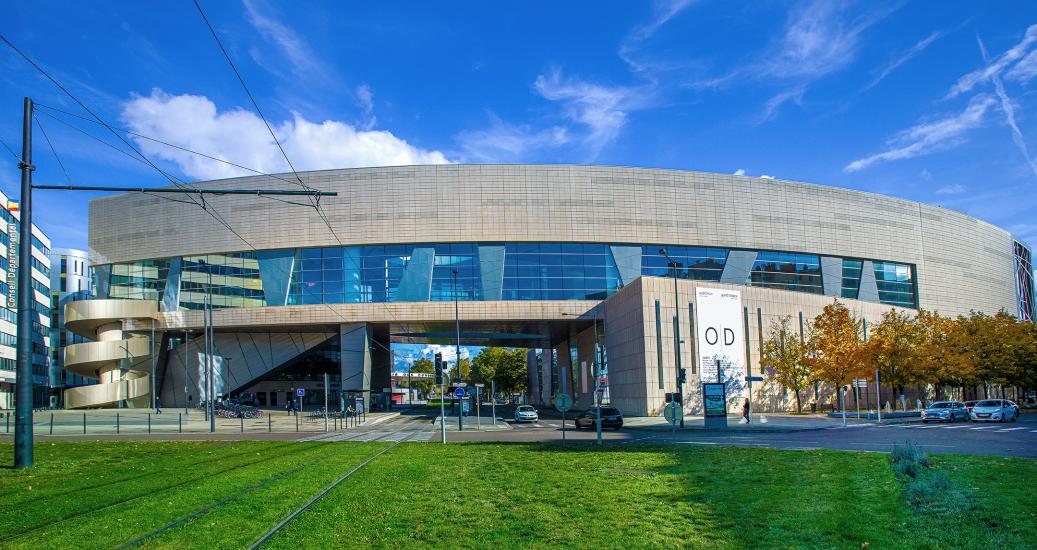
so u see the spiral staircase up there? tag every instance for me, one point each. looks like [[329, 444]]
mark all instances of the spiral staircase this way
[[119, 357]]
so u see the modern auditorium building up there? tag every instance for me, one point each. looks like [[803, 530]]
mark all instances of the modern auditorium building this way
[[564, 260]]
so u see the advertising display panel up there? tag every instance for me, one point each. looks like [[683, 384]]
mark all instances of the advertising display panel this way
[[720, 338]]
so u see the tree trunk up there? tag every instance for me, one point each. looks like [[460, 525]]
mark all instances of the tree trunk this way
[[799, 406]]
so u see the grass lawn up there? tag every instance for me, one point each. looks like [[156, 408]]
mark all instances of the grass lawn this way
[[104, 494]]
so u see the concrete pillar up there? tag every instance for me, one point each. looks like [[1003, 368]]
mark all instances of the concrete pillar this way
[[356, 360]]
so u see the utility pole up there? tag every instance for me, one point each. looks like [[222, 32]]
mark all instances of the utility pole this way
[[676, 333], [23, 444], [187, 350]]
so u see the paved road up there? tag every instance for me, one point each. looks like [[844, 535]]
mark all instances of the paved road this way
[[1011, 439]]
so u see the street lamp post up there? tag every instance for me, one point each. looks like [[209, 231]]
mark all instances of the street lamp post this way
[[457, 352], [676, 332], [187, 350]]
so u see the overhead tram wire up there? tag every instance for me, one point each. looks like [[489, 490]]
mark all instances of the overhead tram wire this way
[[52, 149], [315, 200], [9, 150], [208, 208], [85, 108], [214, 213], [247, 91]]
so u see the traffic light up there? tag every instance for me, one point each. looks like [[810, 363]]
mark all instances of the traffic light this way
[[439, 369], [682, 376]]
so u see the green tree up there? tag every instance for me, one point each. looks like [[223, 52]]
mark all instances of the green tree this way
[[893, 348], [505, 367], [783, 354], [425, 366], [997, 345], [834, 349], [466, 370], [944, 355]]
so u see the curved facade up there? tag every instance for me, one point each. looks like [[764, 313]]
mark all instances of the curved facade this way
[[527, 247]]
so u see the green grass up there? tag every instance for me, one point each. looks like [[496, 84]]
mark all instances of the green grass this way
[[502, 496]]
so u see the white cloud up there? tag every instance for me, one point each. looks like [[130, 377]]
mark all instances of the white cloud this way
[[905, 57], [602, 109], [952, 189], [819, 38], [1009, 109], [929, 136], [969, 81], [662, 12], [503, 142], [241, 137], [740, 172], [766, 177], [449, 353], [301, 58], [794, 95], [365, 97], [1025, 69]]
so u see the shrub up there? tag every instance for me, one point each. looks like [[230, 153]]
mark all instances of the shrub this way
[[908, 460]]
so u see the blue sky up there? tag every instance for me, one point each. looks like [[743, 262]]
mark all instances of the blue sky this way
[[927, 101]]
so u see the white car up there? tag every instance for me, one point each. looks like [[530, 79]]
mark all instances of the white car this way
[[995, 410], [526, 413]]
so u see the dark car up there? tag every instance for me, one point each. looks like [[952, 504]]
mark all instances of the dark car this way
[[610, 418]]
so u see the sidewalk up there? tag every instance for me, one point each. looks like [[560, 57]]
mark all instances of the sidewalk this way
[[174, 422], [769, 422]]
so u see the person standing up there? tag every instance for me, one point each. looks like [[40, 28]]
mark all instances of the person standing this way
[[745, 411], [158, 405]]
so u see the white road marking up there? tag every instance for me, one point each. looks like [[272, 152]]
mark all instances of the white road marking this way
[[955, 427], [696, 442], [1010, 429], [982, 427]]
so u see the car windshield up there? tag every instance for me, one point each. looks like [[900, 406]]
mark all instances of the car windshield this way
[[989, 403], [609, 411], [526, 408], [940, 405]]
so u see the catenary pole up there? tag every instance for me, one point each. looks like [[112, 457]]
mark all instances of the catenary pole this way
[[457, 353], [23, 451], [676, 333]]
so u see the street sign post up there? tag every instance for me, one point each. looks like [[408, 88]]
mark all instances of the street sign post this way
[[459, 392], [563, 402]]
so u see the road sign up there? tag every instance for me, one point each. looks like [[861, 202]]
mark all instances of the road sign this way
[[462, 384], [459, 392], [480, 385], [860, 382], [673, 412], [754, 379], [563, 402], [300, 392]]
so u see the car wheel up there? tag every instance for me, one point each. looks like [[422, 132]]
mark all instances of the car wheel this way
[[1015, 417], [925, 422]]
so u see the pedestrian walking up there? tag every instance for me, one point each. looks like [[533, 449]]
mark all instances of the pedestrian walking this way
[[158, 405], [290, 406], [745, 411]]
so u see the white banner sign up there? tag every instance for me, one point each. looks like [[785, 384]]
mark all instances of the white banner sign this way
[[217, 369], [719, 336]]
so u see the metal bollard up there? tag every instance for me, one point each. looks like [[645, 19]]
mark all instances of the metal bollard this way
[[84, 422], [296, 422], [180, 422], [149, 422], [269, 427], [51, 423], [242, 418], [8, 429], [116, 422]]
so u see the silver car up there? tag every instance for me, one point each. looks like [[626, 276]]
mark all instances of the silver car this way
[[526, 413], [945, 411], [995, 410]]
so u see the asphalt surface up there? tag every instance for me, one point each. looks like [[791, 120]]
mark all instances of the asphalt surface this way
[[994, 439]]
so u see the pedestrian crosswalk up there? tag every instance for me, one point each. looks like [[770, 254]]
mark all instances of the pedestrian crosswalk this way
[[373, 435], [995, 428]]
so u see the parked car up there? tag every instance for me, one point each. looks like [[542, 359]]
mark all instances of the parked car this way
[[995, 410], [610, 418], [526, 413], [945, 411]]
